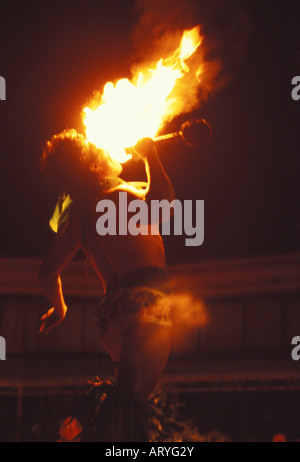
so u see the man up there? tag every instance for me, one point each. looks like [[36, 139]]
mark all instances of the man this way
[[134, 315]]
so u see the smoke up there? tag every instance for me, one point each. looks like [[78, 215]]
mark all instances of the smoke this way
[[189, 311], [159, 25], [189, 314], [225, 26]]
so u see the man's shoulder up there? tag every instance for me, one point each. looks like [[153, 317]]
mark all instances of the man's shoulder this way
[[120, 196]]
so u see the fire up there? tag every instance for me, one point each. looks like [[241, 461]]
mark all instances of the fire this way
[[132, 110]]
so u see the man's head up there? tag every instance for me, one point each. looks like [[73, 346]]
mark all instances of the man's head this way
[[73, 164]]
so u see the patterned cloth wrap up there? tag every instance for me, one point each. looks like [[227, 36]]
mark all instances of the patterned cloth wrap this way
[[142, 297]]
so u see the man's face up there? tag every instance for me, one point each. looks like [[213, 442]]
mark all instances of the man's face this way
[[110, 167]]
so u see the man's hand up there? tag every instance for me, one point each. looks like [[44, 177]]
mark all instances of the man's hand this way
[[52, 319], [146, 148]]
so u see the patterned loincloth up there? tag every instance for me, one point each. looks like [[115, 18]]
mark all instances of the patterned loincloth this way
[[126, 307]]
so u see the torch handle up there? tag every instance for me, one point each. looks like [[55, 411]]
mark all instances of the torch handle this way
[[193, 132], [168, 136]]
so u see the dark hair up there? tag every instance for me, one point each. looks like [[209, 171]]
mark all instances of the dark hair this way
[[72, 163]]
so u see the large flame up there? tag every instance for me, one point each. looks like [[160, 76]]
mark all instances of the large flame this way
[[132, 110]]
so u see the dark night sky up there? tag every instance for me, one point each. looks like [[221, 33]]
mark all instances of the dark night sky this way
[[54, 54]]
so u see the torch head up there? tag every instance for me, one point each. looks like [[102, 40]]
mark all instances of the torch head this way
[[196, 132]]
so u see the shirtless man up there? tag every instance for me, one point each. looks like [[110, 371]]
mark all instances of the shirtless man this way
[[134, 315]]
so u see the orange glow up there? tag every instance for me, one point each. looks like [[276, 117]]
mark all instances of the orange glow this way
[[279, 438], [131, 110]]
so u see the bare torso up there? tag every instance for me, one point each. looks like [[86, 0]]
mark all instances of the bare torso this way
[[115, 254]]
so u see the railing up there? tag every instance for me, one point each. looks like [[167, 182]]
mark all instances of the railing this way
[[214, 278]]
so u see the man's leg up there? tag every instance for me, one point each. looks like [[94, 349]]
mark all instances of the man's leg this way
[[144, 355]]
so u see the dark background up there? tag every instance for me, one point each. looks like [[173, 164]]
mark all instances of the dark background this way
[[53, 55]]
